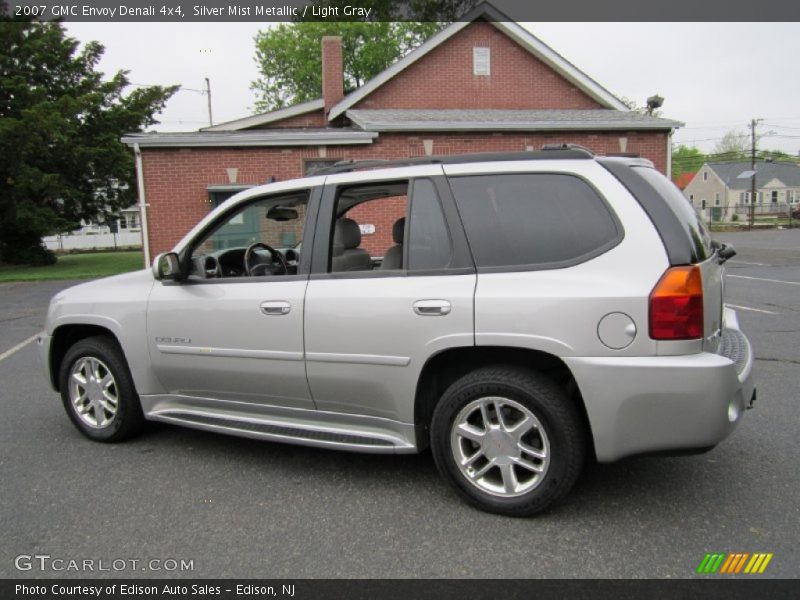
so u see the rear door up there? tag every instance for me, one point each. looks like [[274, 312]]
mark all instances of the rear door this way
[[369, 331]]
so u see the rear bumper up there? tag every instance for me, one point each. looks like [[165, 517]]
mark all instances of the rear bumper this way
[[637, 405]]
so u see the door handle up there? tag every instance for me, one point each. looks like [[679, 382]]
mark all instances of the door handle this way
[[275, 307], [432, 308]]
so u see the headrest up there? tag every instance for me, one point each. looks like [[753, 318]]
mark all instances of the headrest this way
[[347, 233], [398, 229]]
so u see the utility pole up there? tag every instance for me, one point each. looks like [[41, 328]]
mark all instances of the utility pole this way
[[753, 123], [208, 93]]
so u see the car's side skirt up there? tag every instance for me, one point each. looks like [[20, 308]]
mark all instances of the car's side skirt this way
[[341, 431]]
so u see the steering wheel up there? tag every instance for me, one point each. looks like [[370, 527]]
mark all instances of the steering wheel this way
[[276, 267]]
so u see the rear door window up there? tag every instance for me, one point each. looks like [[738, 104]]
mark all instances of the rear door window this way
[[429, 241], [533, 220]]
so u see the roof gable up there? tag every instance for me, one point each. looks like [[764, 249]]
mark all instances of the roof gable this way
[[444, 78], [523, 38]]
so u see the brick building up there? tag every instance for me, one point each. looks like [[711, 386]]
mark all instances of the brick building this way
[[480, 85]]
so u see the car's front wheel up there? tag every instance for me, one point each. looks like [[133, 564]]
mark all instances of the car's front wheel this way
[[98, 391], [508, 439]]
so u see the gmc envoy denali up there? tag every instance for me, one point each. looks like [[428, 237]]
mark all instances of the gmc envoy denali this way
[[533, 310]]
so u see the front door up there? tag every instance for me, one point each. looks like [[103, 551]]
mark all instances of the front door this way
[[233, 330]]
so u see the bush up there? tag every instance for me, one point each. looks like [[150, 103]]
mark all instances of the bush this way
[[735, 217], [23, 253]]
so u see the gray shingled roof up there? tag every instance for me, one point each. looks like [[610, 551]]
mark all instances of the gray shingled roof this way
[[786, 172], [498, 119]]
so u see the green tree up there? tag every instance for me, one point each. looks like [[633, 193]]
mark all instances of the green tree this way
[[776, 156], [686, 159], [288, 54], [60, 128], [732, 147]]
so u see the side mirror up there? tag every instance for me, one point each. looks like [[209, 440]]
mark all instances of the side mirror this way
[[166, 266]]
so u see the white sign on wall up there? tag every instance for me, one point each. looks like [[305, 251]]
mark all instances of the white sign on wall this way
[[367, 229]]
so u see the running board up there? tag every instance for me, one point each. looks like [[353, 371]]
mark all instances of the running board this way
[[355, 433]]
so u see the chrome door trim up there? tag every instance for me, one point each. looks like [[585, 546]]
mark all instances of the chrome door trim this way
[[230, 352], [359, 359]]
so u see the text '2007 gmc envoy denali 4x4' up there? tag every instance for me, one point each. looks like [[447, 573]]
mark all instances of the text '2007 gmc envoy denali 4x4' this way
[[528, 311]]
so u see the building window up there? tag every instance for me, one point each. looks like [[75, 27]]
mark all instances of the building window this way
[[742, 198], [312, 164], [789, 196], [703, 203], [705, 175], [774, 196], [481, 61], [716, 199], [691, 199]]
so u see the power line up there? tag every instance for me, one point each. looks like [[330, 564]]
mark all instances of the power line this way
[[181, 89]]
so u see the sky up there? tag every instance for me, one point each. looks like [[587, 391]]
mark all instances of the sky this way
[[714, 77]]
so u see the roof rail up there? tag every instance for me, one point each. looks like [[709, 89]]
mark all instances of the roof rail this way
[[548, 152], [576, 147], [344, 166]]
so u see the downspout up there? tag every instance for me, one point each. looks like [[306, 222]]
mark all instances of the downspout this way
[[142, 205], [669, 154]]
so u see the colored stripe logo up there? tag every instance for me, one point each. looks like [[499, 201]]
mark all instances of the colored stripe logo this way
[[734, 563]]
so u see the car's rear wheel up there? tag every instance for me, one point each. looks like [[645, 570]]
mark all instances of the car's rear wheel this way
[[509, 440], [98, 391]]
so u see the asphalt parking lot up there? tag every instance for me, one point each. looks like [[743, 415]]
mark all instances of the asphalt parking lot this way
[[242, 508]]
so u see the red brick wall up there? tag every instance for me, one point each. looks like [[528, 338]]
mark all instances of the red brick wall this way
[[444, 78], [176, 180], [382, 213]]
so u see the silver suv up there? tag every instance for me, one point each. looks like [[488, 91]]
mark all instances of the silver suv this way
[[515, 313]]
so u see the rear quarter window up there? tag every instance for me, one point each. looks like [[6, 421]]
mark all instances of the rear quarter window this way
[[688, 219], [533, 220]]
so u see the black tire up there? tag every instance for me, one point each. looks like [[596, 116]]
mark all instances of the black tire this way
[[557, 415], [128, 419]]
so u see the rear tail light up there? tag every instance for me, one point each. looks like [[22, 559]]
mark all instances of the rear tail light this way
[[676, 305]]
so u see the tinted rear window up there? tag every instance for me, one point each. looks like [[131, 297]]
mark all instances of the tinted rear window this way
[[687, 217], [539, 220]]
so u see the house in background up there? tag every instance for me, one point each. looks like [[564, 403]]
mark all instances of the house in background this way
[[719, 192], [126, 231], [482, 84], [683, 179]]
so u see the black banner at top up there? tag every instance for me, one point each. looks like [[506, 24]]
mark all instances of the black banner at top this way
[[402, 10]]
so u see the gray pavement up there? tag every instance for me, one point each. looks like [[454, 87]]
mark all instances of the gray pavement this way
[[242, 508]]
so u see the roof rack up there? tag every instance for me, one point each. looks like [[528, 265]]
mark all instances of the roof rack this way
[[548, 152]]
